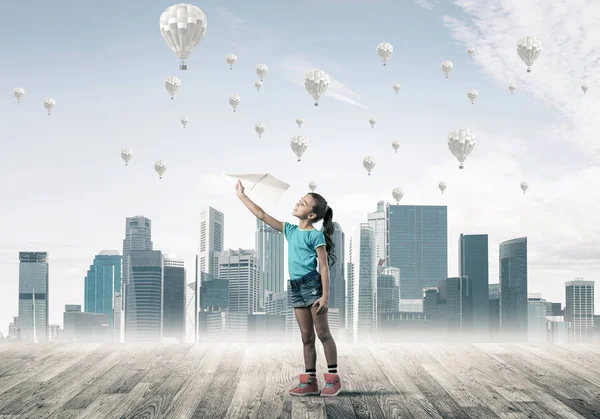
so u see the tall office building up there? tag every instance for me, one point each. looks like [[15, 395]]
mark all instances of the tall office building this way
[[579, 310], [349, 293], [337, 283], [143, 308], [417, 244], [473, 263], [388, 290], [494, 311], [102, 284], [377, 222], [364, 274], [269, 252], [513, 289], [174, 301], [211, 239], [458, 305], [241, 269], [33, 296]]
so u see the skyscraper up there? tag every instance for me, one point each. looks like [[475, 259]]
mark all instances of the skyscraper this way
[[513, 289], [337, 283], [143, 308], [33, 296], [174, 302], [579, 310], [364, 274], [211, 239], [417, 244], [473, 263], [269, 252], [240, 267], [102, 283], [377, 222]]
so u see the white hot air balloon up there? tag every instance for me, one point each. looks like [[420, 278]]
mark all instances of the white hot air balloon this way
[[397, 193], [512, 88], [261, 70], [184, 122], [397, 88], [524, 186], [312, 186], [384, 50], [126, 155], [471, 51], [372, 121], [259, 128], [258, 85], [395, 145], [461, 143], [19, 93], [160, 167], [299, 145], [472, 95], [172, 83], [316, 83], [49, 104], [231, 60], [529, 49], [182, 27], [447, 67], [369, 164], [442, 186], [234, 101], [299, 121], [584, 88]]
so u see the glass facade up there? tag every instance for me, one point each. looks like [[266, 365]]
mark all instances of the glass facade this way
[[103, 280], [513, 289], [473, 263]]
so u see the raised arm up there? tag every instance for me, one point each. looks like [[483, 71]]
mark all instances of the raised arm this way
[[255, 209]]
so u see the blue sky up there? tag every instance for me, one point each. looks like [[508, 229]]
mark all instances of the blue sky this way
[[65, 189]]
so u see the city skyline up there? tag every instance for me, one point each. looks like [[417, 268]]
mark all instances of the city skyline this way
[[544, 133]]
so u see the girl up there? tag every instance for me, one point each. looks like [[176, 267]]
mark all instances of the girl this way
[[310, 288]]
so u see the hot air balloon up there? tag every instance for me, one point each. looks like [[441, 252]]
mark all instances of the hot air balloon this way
[[126, 155], [524, 186], [299, 121], [461, 143], [397, 193], [261, 70], [396, 87], [19, 93], [442, 186], [372, 121], [172, 83], [472, 95], [259, 128], [184, 122], [584, 88], [395, 146], [299, 145], [258, 85], [316, 82], [231, 59], [384, 50], [312, 186], [447, 67], [512, 88], [49, 104], [160, 167], [182, 27], [471, 51], [234, 101], [529, 49], [369, 164]]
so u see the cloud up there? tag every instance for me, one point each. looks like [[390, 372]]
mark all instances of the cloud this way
[[235, 23], [425, 4], [295, 66], [569, 58]]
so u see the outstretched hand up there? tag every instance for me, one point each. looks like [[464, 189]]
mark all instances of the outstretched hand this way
[[239, 189]]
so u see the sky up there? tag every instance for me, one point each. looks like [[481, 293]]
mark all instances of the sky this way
[[65, 190]]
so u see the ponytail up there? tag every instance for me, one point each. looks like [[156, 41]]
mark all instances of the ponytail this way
[[328, 233]]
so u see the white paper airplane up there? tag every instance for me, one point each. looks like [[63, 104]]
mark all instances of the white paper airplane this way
[[262, 186]]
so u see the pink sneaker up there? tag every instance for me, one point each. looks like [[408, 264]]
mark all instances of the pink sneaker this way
[[332, 386], [308, 386]]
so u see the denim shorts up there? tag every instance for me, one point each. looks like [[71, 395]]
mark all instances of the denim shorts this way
[[306, 290]]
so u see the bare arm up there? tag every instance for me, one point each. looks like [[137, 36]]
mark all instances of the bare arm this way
[[256, 210]]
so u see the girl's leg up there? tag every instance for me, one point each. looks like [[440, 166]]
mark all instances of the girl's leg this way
[[307, 331], [322, 326]]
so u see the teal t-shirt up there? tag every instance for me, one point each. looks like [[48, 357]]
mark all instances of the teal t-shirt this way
[[302, 249]]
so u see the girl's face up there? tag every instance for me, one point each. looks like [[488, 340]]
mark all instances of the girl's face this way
[[304, 208]]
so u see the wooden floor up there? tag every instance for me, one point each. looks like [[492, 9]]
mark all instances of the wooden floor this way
[[238, 381]]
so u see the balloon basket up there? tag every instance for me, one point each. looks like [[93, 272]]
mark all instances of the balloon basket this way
[[183, 65]]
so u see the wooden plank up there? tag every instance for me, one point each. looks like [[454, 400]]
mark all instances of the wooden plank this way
[[116, 405], [276, 402]]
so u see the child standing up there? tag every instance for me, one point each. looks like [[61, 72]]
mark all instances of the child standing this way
[[310, 288]]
